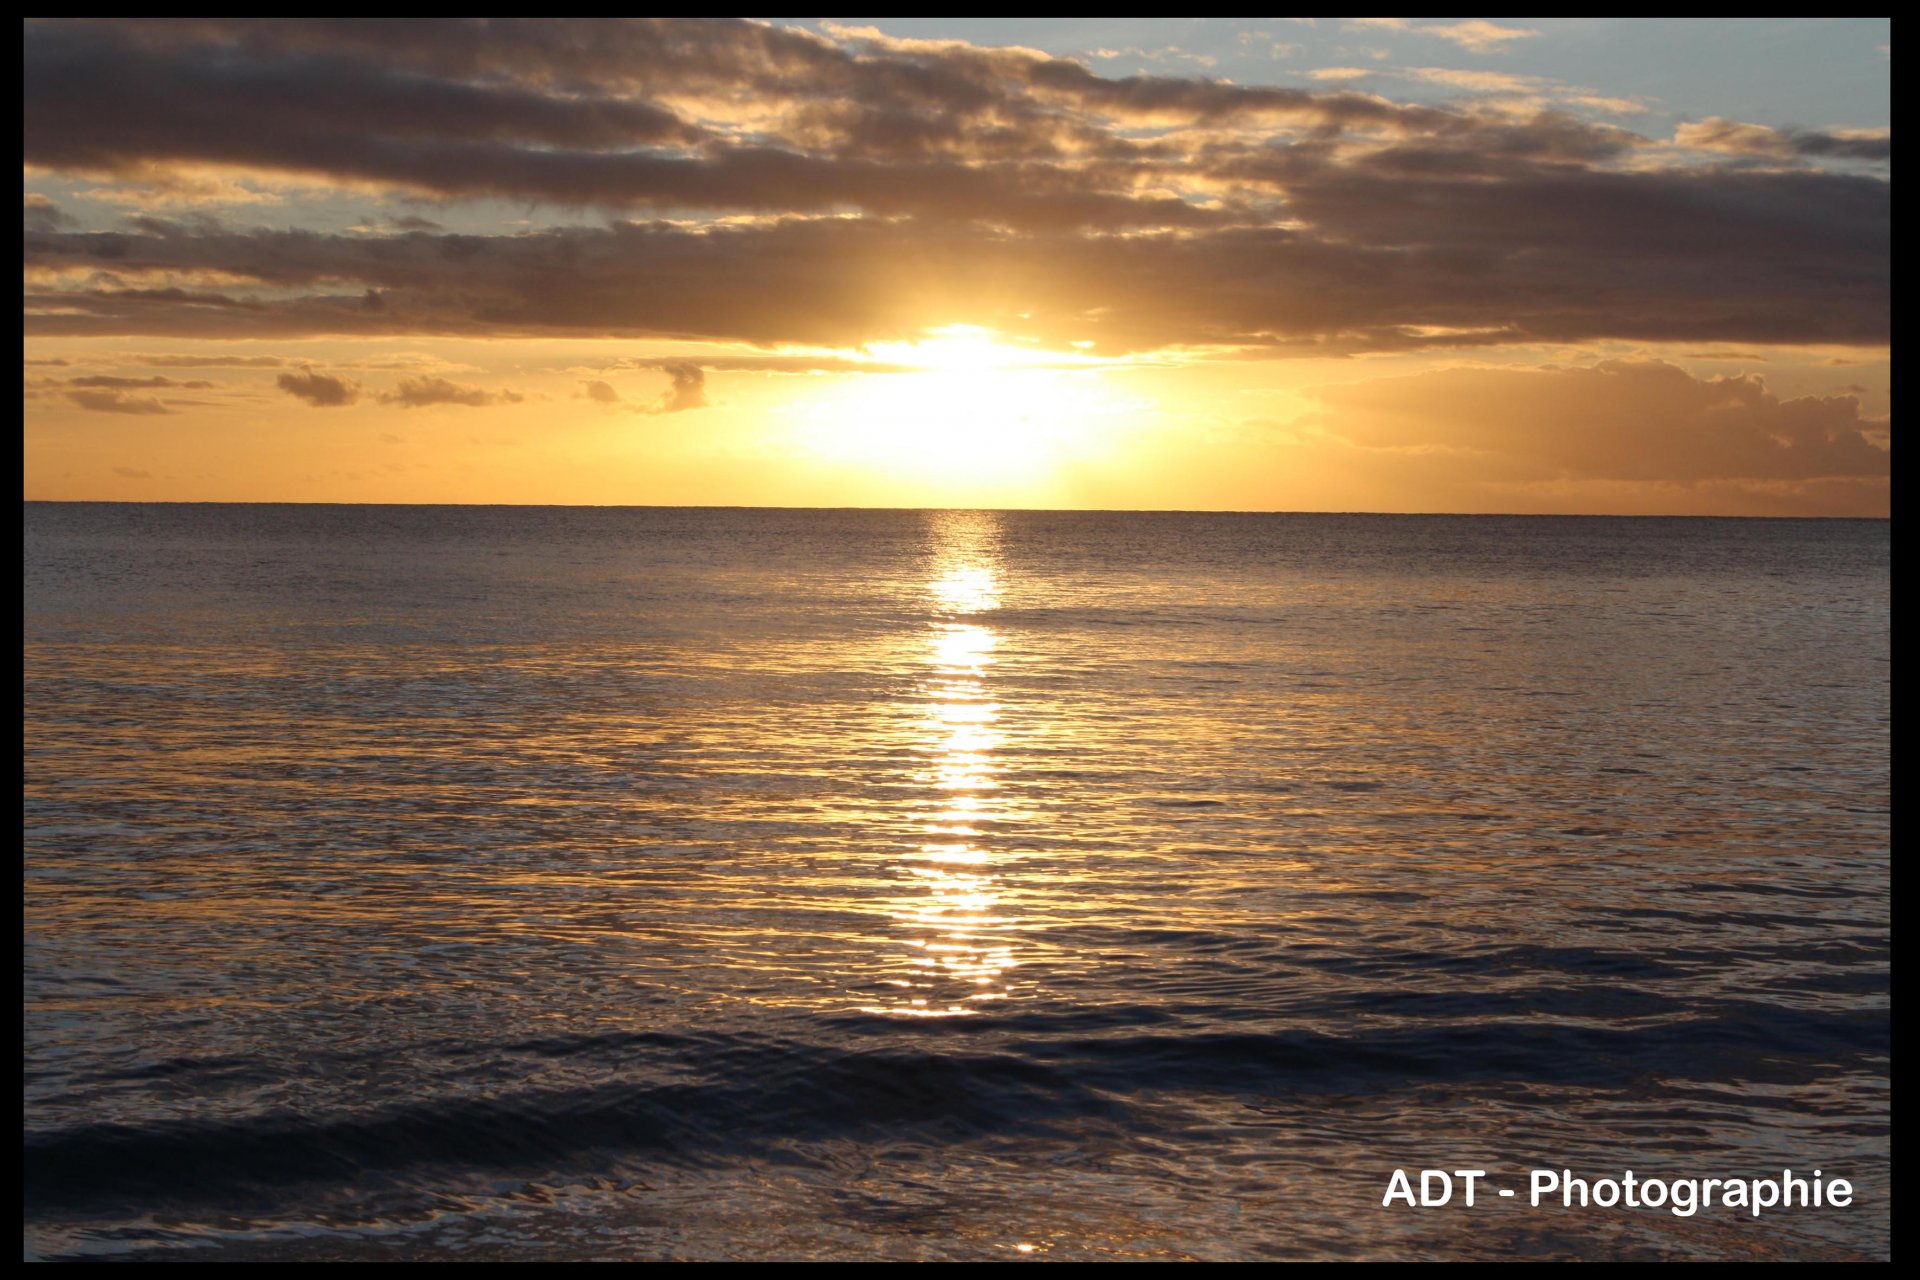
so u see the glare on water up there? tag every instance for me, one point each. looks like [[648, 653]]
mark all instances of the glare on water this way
[[958, 921]]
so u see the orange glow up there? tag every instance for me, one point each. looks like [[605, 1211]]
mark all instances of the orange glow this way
[[979, 413]]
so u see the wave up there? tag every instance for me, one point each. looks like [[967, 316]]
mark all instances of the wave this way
[[691, 1099]]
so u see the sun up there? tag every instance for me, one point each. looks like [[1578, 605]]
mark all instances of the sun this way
[[965, 412], [956, 348]]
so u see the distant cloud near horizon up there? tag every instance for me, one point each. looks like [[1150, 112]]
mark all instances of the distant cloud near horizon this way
[[117, 402], [209, 362], [687, 388], [415, 393], [322, 391], [108, 380], [1635, 420]]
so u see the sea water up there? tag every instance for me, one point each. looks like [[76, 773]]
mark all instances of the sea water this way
[[508, 882]]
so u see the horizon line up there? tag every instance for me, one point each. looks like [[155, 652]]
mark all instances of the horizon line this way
[[722, 506]]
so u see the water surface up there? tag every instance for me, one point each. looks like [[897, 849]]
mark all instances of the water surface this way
[[570, 882]]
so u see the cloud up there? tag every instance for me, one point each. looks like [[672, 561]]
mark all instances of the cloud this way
[[1420, 243], [687, 387], [1611, 106], [1619, 420], [321, 390], [131, 474], [106, 99], [157, 187], [42, 214], [937, 130], [408, 222], [792, 189], [1476, 35], [1274, 45], [209, 362], [93, 72], [116, 402], [1523, 94], [165, 360], [1477, 81], [106, 380], [53, 362], [1731, 137], [415, 393]]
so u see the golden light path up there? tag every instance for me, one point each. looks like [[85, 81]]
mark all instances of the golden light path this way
[[959, 924]]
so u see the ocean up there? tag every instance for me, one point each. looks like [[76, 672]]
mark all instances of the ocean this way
[[645, 883]]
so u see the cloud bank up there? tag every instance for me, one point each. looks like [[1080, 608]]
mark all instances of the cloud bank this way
[[776, 186], [1617, 420]]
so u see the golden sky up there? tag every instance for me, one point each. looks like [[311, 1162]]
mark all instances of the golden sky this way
[[1265, 266]]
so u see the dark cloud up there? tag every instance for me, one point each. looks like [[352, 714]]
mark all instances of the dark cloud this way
[[1713, 257], [538, 111], [943, 182], [415, 393], [99, 101], [321, 390], [42, 214], [1618, 420], [621, 60], [600, 392], [686, 389], [79, 79], [1716, 133], [116, 402], [53, 362]]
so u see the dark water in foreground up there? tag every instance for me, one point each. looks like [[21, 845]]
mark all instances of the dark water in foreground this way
[[509, 882]]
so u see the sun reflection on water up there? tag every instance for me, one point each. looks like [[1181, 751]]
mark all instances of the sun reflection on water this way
[[966, 587], [957, 921]]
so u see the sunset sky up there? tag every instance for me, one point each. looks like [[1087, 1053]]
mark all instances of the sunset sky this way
[[1525, 265]]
